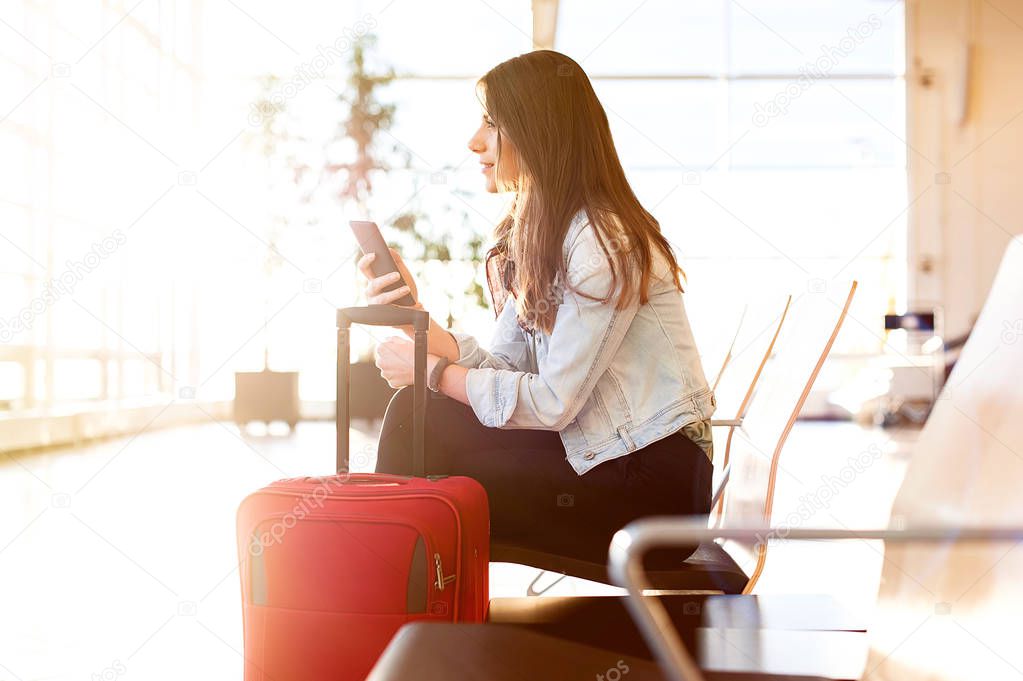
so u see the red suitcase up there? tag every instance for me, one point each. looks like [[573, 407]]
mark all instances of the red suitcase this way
[[332, 566]]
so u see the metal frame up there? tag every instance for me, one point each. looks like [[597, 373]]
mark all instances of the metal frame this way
[[631, 543]]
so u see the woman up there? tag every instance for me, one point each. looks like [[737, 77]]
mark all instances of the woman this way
[[590, 408]]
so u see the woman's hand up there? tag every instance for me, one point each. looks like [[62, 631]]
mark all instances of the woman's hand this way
[[439, 341], [396, 360], [375, 293]]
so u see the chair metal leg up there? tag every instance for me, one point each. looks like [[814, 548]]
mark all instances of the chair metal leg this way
[[532, 591]]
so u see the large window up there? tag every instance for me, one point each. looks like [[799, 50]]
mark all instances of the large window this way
[[768, 139], [136, 206], [90, 108]]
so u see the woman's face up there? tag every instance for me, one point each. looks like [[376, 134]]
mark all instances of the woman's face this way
[[484, 144]]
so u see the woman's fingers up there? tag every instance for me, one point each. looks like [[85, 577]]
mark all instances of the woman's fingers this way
[[406, 275], [364, 264], [388, 297], [375, 286], [378, 284], [386, 353], [380, 360], [392, 358], [376, 293]]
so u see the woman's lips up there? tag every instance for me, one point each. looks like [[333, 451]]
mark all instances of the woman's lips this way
[[486, 167]]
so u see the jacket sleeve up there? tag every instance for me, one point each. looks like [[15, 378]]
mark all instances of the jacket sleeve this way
[[587, 333], [508, 348]]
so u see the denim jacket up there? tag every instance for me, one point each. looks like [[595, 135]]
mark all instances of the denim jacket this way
[[609, 380]]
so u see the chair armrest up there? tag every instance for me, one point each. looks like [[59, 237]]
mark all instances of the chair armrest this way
[[631, 543], [725, 422]]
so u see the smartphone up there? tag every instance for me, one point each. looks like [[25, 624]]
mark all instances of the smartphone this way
[[371, 241]]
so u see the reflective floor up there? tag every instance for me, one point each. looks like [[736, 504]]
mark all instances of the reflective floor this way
[[118, 558]]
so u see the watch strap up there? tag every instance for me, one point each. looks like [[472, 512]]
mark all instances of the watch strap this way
[[433, 382]]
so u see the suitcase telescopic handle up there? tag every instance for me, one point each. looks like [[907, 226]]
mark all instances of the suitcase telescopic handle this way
[[382, 315]]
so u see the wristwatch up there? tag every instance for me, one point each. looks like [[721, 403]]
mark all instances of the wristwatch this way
[[433, 382]]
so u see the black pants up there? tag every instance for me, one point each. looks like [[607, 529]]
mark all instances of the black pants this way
[[537, 500]]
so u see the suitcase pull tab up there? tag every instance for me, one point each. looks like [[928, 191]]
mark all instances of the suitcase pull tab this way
[[442, 581]]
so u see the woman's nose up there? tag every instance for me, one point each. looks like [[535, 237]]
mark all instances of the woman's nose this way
[[475, 143]]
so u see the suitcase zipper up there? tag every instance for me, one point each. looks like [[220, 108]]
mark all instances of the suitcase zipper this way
[[442, 581]]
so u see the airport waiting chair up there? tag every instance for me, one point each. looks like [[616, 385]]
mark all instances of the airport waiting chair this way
[[722, 467], [718, 499], [800, 351], [731, 348], [801, 342], [948, 605]]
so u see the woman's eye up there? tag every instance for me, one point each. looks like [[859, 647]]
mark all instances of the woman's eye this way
[[489, 123]]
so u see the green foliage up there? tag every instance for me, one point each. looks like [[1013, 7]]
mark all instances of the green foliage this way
[[361, 150], [367, 118]]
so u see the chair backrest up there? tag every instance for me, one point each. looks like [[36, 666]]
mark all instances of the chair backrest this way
[[766, 336], [955, 610], [812, 322], [728, 353]]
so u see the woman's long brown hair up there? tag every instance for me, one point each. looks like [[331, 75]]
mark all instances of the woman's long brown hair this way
[[544, 104]]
